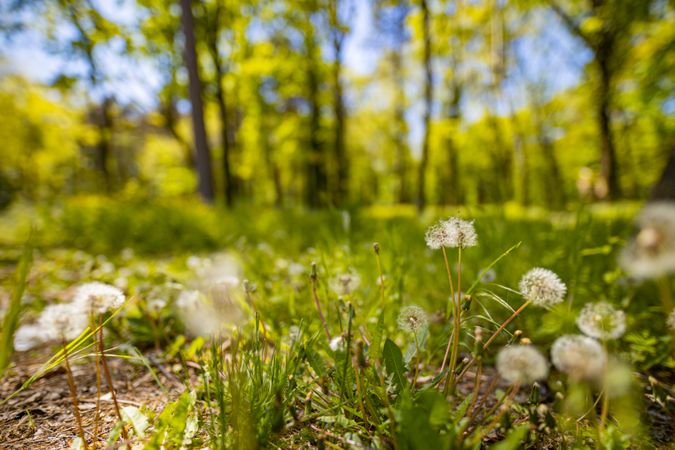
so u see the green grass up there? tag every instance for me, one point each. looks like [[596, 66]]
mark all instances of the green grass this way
[[272, 380]]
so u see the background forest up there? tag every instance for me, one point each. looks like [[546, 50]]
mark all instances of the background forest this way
[[337, 102]]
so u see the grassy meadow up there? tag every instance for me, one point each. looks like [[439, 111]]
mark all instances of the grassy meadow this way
[[255, 367]]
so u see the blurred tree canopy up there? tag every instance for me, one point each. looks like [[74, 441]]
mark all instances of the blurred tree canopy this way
[[453, 108]]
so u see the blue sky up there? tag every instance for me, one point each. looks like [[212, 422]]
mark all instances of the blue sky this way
[[548, 54]]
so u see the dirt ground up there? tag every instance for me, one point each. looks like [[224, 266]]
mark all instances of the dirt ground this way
[[41, 416]]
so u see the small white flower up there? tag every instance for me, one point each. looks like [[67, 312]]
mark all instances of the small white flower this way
[[28, 337], [602, 321], [412, 319], [580, 357], [521, 364], [542, 287], [453, 232], [336, 343], [651, 253], [157, 304], [296, 269], [96, 298], [62, 321], [294, 333]]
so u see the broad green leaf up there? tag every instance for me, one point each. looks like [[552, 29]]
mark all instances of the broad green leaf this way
[[393, 362], [136, 418]]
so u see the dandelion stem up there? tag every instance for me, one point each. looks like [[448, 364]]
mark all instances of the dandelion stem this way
[[454, 337], [376, 248], [666, 294], [97, 415], [452, 288], [505, 323], [316, 301], [494, 335], [417, 360], [603, 411], [108, 379], [73, 395], [476, 387]]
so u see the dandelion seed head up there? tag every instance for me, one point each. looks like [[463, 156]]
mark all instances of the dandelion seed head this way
[[412, 319], [651, 253], [488, 276], [96, 298], [63, 321], [156, 304], [580, 357], [346, 283], [602, 321], [28, 337], [521, 364], [542, 287], [453, 232], [188, 300]]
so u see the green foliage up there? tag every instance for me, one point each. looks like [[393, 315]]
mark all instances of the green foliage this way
[[393, 361], [10, 321]]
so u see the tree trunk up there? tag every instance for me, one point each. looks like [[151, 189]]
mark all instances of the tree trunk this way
[[428, 81], [342, 168], [202, 150], [608, 164], [316, 175], [400, 128], [104, 143], [665, 187], [221, 97]]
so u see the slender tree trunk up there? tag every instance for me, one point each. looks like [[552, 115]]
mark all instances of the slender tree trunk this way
[[104, 143], [221, 100], [453, 193], [202, 150], [316, 175], [608, 163], [400, 128], [428, 86], [341, 188], [665, 187], [316, 183]]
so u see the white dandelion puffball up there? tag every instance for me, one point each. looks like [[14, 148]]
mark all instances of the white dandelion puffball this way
[[542, 287], [412, 319], [97, 298], [651, 253], [580, 357], [28, 337], [63, 321], [346, 283], [671, 320], [602, 321], [521, 364], [453, 232], [188, 299]]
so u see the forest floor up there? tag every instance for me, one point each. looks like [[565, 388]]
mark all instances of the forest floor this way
[[279, 364], [41, 416]]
